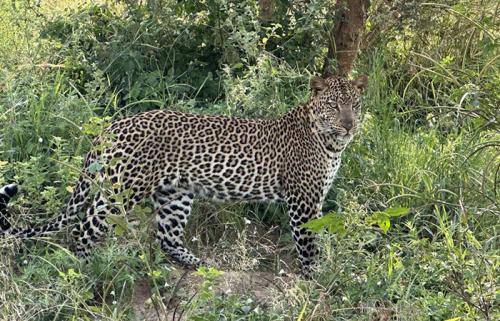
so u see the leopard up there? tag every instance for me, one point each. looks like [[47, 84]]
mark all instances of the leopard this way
[[171, 157]]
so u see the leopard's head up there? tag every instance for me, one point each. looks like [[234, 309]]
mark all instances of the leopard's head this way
[[336, 105]]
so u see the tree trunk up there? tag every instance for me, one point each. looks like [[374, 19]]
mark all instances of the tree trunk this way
[[266, 10], [345, 36]]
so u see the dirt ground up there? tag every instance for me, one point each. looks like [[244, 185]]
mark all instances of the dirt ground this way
[[260, 286]]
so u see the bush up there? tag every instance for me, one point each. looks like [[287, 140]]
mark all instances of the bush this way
[[429, 143]]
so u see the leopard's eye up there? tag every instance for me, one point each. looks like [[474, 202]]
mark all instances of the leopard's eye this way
[[333, 104]]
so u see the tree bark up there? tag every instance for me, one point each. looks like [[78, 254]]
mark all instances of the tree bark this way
[[345, 36], [266, 10]]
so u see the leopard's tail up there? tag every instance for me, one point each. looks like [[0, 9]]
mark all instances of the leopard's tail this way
[[6, 194]]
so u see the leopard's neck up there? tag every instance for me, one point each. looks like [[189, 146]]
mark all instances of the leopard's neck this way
[[301, 118]]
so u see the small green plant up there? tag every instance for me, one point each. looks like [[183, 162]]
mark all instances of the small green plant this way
[[209, 275], [333, 222], [383, 219]]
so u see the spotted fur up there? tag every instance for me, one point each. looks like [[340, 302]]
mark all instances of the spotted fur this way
[[172, 156], [6, 193]]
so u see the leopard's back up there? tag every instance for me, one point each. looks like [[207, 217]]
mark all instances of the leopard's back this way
[[221, 157]]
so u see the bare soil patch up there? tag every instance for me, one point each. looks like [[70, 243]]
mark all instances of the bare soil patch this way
[[260, 286]]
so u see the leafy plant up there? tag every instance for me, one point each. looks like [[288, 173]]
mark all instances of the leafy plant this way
[[428, 142], [383, 219], [333, 222]]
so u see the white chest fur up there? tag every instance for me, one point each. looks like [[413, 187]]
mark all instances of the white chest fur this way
[[334, 166]]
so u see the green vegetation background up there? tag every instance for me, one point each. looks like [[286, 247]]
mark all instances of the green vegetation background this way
[[430, 142]]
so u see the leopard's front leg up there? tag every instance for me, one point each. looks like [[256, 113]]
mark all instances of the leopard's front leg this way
[[301, 211]]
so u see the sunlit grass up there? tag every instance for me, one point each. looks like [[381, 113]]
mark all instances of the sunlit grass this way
[[438, 262]]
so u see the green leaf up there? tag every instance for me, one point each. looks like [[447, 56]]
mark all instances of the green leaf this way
[[155, 274], [237, 65], [95, 167], [207, 271], [397, 211], [427, 182], [119, 222], [94, 308], [381, 219], [384, 223], [333, 222], [73, 274]]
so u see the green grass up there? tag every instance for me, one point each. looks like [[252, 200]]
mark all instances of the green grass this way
[[429, 142]]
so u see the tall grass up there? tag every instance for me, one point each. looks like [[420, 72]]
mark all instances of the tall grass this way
[[429, 142]]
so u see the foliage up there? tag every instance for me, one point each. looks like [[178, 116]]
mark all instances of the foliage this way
[[413, 215], [331, 221]]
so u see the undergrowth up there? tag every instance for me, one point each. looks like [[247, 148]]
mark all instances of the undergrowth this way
[[429, 144]]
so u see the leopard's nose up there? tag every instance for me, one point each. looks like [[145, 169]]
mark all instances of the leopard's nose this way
[[348, 124]]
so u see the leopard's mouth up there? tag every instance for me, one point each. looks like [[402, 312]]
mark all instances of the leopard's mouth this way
[[339, 132], [345, 135]]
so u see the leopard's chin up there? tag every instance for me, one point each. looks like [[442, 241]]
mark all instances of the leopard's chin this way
[[345, 137]]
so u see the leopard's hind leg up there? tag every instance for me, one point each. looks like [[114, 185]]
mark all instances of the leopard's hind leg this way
[[93, 227], [172, 208]]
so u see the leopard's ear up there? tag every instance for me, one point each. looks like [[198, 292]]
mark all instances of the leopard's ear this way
[[360, 83], [318, 84]]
